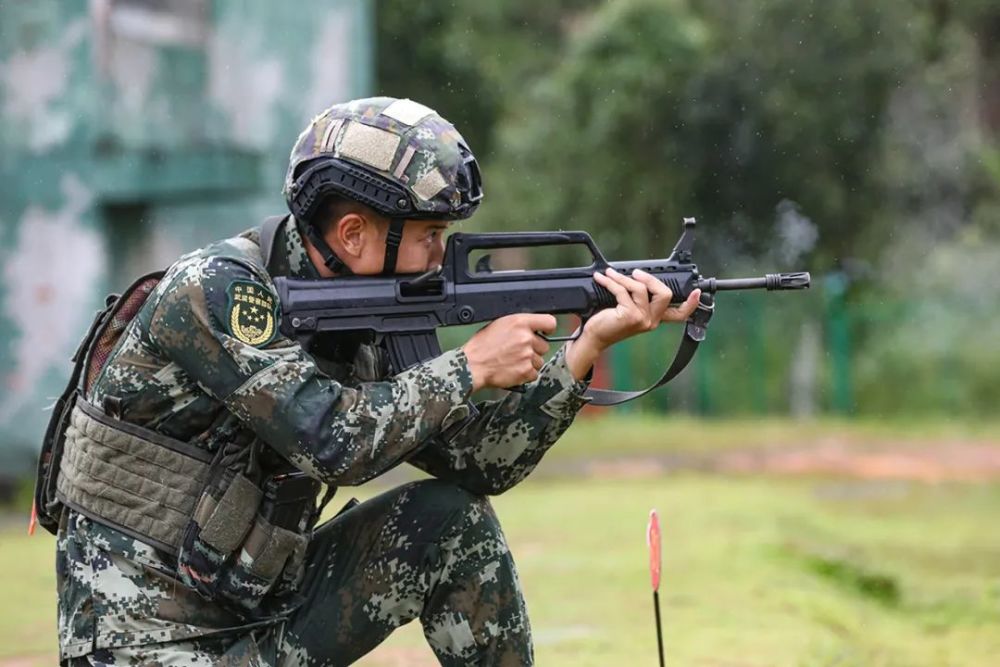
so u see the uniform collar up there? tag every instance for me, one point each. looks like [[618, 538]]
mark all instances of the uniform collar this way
[[299, 264]]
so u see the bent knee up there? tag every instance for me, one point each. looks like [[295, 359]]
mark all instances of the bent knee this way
[[436, 494], [434, 501]]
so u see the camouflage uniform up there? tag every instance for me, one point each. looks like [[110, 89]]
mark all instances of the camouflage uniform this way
[[431, 549]]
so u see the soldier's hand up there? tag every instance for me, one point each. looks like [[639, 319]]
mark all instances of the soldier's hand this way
[[643, 303], [507, 352]]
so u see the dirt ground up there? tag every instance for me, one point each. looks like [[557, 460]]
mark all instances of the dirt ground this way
[[957, 461]]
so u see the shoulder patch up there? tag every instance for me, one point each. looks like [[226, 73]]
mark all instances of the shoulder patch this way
[[252, 315]]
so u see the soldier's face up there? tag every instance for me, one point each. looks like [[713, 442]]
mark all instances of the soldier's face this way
[[359, 240], [422, 247]]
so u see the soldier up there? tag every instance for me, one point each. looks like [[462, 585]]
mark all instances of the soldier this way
[[186, 466]]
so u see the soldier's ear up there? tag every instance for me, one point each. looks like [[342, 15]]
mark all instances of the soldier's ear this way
[[350, 232]]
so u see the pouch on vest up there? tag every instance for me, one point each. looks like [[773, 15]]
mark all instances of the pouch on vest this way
[[221, 521], [88, 362], [272, 558], [247, 539]]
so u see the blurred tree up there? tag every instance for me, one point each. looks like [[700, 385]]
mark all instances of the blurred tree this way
[[838, 135], [659, 110], [941, 174], [592, 145], [469, 63]]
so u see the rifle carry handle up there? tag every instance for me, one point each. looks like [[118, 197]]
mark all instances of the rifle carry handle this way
[[461, 246]]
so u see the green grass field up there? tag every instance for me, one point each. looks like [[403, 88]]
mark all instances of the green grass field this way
[[758, 570]]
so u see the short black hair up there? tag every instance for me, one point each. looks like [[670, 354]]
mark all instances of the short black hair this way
[[336, 207]]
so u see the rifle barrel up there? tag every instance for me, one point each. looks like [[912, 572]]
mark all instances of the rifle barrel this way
[[771, 281]]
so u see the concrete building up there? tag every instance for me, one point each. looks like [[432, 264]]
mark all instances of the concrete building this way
[[130, 132]]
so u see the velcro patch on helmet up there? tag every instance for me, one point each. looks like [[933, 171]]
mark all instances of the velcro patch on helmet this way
[[372, 146], [404, 162], [407, 112], [330, 136], [429, 184]]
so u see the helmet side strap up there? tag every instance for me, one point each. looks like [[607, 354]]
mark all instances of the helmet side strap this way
[[392, 241], [330, 258]]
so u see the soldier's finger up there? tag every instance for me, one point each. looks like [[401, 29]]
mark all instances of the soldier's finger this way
[[541, 322], [637, 289], [537, 362], [682, 312], [657, 289], [617, 290], [539, 345], [660, 294]]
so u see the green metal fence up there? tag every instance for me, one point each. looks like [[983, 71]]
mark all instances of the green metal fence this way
[[823, 351]]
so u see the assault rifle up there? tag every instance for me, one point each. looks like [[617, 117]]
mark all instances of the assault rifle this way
[[404, 311]]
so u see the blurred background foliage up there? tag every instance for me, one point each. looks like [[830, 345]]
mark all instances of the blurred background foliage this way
[[856, 140], [853, 139]]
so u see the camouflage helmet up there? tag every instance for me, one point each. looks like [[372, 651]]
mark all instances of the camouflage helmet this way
[[395, 155]]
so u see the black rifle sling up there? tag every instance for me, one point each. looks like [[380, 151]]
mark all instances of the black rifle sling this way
[[694, 333]]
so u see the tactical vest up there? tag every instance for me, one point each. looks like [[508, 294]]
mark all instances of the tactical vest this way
[[238, 532]]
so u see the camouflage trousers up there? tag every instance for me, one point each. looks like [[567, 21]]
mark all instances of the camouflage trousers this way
[[426, 550]]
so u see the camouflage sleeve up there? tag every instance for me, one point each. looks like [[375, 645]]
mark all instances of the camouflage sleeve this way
[[217, 320], [501, 446]]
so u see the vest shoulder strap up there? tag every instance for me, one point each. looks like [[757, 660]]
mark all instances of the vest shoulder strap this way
[[268, 231]]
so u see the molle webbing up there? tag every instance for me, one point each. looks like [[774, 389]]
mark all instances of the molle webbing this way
[[137, 481]]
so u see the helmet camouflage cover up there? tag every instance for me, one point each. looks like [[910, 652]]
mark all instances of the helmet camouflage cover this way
[[395, 155]]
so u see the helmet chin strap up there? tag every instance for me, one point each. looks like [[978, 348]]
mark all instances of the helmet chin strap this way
[[393, 238], [330, 258], [392, 241]]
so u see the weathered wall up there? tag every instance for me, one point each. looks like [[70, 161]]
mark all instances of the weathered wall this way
[[129, 135]]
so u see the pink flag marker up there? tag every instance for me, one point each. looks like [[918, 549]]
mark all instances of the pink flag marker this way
[[655, 562], [653, 542]]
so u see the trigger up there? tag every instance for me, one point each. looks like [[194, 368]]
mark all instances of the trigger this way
[[561, 339]]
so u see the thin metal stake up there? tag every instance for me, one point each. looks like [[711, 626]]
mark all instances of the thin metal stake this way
[[659, 629]]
